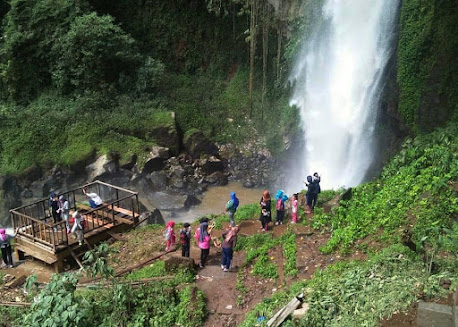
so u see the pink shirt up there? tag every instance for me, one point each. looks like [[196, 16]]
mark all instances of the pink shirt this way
[[206, 242], [294, 206]]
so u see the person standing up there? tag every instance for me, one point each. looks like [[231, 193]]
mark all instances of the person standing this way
[[55, 212], [95, 200], [294, 209], [280, 199], [316, 179], [229, 243], [231, 208], [203, 239], [169, 235], [5, 245], [64, 210], [185, 240], [266, 206], [78, 227]]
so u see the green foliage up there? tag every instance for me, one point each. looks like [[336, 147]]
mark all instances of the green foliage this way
[[156, 269], [426, 50], [413, 187], [360, 293], [192, 309], [289, 251], [96, 261], [94, 53], [58, 305], [12, 316]]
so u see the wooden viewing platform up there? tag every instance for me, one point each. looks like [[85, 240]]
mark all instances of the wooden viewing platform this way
[[40, 238]]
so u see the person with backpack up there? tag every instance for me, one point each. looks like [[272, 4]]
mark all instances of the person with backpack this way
[[169, 235], [185, 240], [79, 223], [280, 199], [5, 245], [231, 208], [229, 243], [266, 216], [64, 210], [313, 189]]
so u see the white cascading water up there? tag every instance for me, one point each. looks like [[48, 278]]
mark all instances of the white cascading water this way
[[337, 88]]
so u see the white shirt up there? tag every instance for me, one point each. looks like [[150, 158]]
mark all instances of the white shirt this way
[[94, 197]]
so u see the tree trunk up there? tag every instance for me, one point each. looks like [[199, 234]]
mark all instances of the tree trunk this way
[[265, 52], [253, 17], [279, 45]]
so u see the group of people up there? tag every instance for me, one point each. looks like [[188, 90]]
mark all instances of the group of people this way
[[204, 241], [229, 237], [60, 210]]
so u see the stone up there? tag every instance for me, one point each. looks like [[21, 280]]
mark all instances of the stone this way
[[159, 179], [166, 135], [434, 315], [191, 201], [298, 313], [216, 178], [153, 217], [172, 263], [160, 152], [102, 166], [210, 165], [197, 144], [27, 194], [229, 307], [131, 163], [248, 184], [31, 174], [153, 164]]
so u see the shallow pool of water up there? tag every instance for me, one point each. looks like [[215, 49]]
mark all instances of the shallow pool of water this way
[[214, 201]]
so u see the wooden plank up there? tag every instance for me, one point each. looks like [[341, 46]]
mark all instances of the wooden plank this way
[[35, 251], [18, 281], [14, 304], [283, 313]]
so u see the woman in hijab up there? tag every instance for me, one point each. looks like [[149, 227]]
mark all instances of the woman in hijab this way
[[203, 239], [64, 210], [5, 245], [231, 208], [265, 205], [169, 235], [229, 242]]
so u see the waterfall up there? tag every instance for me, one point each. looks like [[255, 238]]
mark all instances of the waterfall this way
[[337, 85]]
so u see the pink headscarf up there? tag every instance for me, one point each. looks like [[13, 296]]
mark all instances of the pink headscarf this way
[[170, 224], [233, 232], [2, 233]]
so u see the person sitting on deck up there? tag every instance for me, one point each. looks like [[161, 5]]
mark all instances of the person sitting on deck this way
[[94, 199]]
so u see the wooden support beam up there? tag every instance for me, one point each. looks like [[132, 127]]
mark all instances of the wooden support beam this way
[[74, 256], [284, 312]]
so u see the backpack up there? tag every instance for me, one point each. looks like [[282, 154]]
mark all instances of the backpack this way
[[84, 223], [184, 239], [279, 205]]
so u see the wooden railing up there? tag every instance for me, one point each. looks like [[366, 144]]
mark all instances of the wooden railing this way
[[32, 219]]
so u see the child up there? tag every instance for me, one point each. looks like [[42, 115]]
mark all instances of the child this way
[[280, 206], [169, 235], [185, 240], [265, 204], [203, 239], [294, 209], [5, 245], [78, 227]]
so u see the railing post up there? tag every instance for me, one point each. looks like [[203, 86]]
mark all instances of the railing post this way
[[74, 200], [138, 205]]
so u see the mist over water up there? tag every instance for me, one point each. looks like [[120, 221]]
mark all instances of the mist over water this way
[[337, 84]]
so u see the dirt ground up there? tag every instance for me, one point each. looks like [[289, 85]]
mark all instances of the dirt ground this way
[[226, 305]]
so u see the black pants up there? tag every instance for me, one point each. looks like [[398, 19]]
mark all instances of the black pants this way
[[280, 215], [185, 250], [203, 256], [7, 255], [56, 216]]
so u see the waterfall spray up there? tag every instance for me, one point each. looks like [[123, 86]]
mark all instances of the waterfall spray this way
[[337, 85]]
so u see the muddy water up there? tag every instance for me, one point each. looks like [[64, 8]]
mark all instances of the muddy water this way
[[214, 201]]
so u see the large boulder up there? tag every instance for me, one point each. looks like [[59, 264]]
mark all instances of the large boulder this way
[[10, 197], [174, 202], [102, 166], [165, 133], [172, 263], [216, 178], [159, 179], [210, 165], [153, 217], [197, 144], [159, 156]]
